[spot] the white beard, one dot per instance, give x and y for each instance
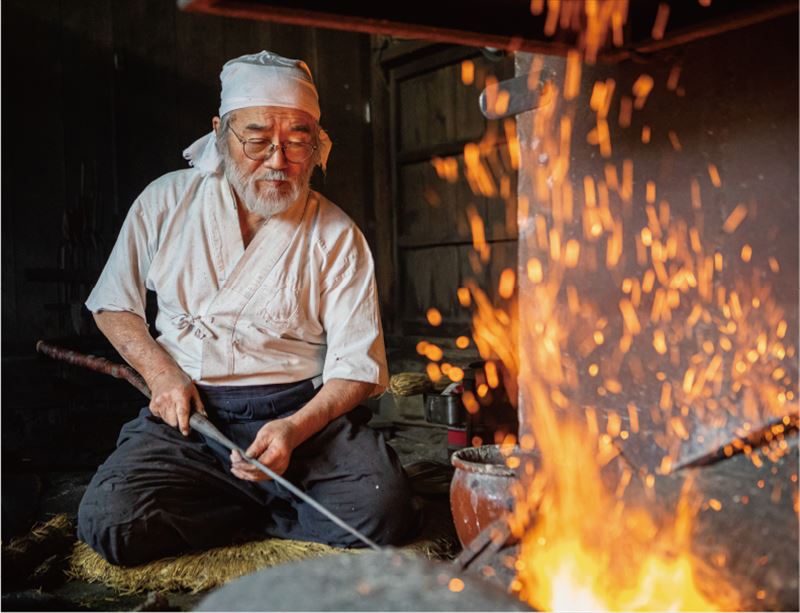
(259, 197)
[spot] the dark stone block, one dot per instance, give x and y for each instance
(381, 581)
(750, 534)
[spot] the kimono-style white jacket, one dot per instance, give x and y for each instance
(298, 303)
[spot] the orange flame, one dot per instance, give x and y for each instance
(587, 544)
(586, 551)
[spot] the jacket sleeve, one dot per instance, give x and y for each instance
(350, 314)
(121, 286)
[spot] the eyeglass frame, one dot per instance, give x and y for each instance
(272, 148)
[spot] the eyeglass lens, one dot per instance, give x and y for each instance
(262, 149)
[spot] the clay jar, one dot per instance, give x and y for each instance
(480, 491)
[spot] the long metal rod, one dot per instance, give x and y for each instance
(204, 426)
(737, 445)
(196, 421)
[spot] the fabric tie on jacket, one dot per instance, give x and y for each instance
(194, 324)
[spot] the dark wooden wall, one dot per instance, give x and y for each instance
(101, 98)
(428, 113)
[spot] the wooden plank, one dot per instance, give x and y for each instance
(90, 172)
(341, 75)
(508, 26)
(425, 154)
(432, 210)
(367, 25)
(504, 257)
(292, 41)
(438, 108)
(501, 212)
(696, 24)
(393, 51)
(200, 52)
(34, 190)
(420, 214)
(431, 277)
(146, 94)
(394, 113)
(380, 216)
(241, 37)
(432, 221)
(416, 293)
(437, 59)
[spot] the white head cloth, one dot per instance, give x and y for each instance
(260, 79)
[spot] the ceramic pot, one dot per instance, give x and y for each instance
(480, 491)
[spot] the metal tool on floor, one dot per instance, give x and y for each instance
(786, 426)
(484, 546)
(198, 422)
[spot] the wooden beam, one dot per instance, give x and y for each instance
(741, 19)
(243, 9)
(248, 9)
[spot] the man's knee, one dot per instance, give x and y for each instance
(110, 523)
(383, 511)
(99, 528)
(389, 506)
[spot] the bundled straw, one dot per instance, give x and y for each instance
(207, 569)
(196, 571)
(411, 383)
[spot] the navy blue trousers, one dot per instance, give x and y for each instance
(161, 494)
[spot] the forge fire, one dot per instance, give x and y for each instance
(648, 339)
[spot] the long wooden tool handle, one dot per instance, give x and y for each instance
(92, 362)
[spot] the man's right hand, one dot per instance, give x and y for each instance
(174, 395)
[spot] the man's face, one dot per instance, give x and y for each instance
(270, 186)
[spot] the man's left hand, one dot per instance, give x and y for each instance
(272, 447)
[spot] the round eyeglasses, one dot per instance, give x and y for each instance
(261, 149)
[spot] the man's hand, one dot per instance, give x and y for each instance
(272, 447)
(173, 397)
(173, 392)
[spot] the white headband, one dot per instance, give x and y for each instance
(260, 79)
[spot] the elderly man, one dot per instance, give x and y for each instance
(268, 323)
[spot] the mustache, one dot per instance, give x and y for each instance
(272, 175)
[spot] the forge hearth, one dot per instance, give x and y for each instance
(383, 581)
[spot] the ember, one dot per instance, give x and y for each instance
(631, 287)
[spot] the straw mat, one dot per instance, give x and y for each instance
(204, 570)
